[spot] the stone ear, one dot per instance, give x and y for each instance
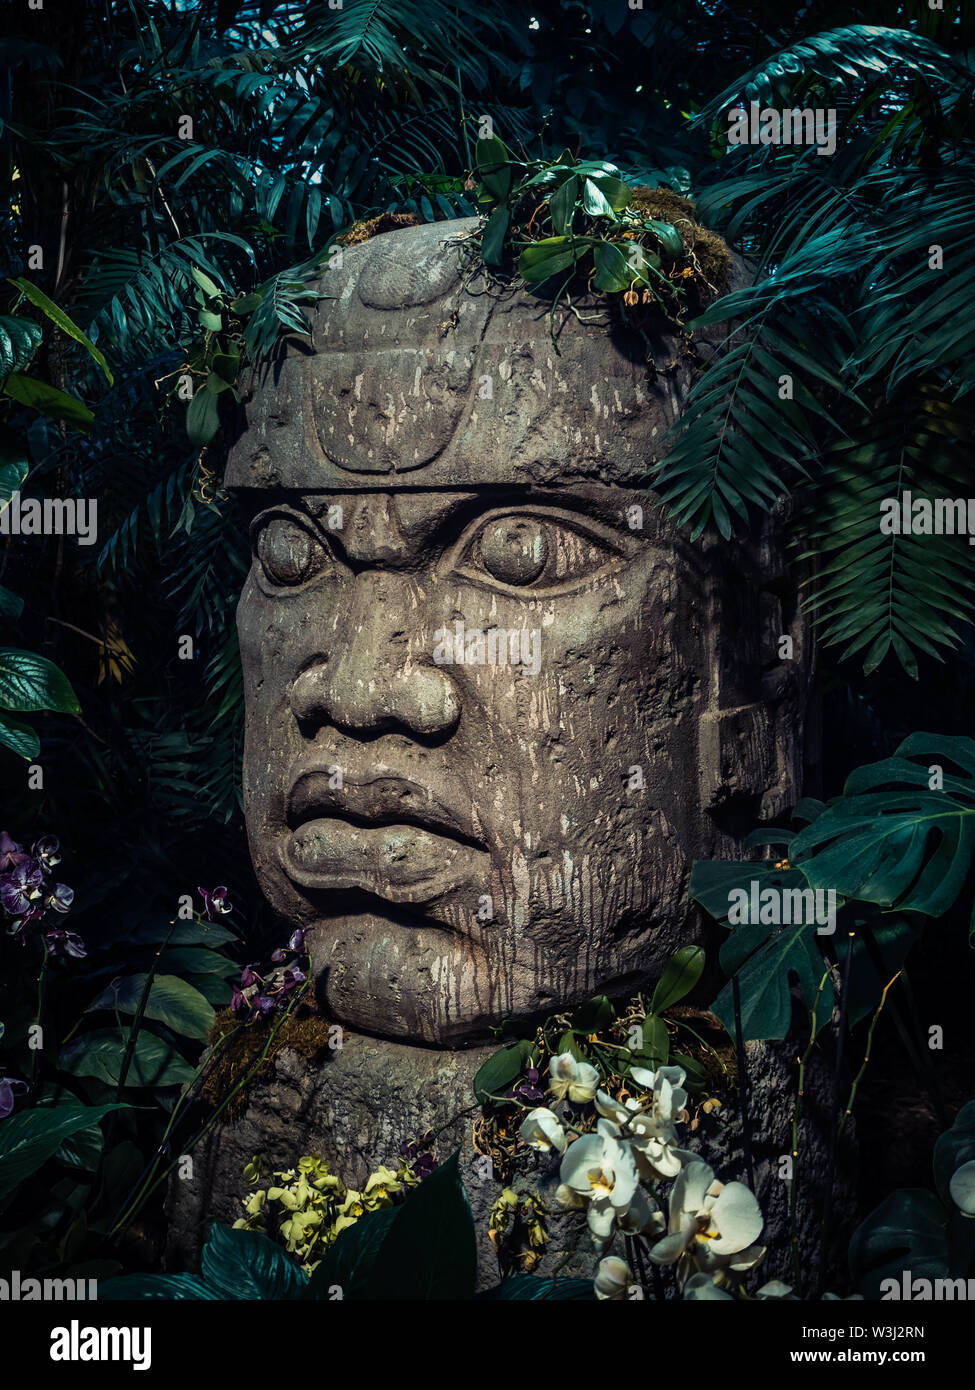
(390, 281)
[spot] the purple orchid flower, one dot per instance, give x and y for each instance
(47, 850)
(527, 1090)
(64, 943)
(418, 1155)
(10, 1088)
(11, 854)
(215, 903)
(20, 889)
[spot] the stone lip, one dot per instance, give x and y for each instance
(358, 1107)
(422, 375)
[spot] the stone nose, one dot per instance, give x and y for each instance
(378, 671)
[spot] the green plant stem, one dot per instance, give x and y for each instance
(796, 1112)
(866, 1057)
(129, 1052)
(743, 1097)
(245, 1080)
(636, 1246)
(187, 1097)
(834, 1137)
(41, 986)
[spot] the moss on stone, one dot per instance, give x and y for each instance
(375, 226)
(306, 1033)
(706, 257)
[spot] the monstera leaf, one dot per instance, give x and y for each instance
(894, 839)
(763, 956)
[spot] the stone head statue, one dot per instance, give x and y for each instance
(495, 702)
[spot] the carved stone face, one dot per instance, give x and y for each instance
(484, 705)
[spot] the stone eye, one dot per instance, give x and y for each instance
(537, 552)
(514, 550)
(288, 553)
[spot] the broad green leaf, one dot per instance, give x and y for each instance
(11, 476)
(211, 321)
(100, 1052)
(82, 1150)
(890, 839)
(195, 960)
(613, 271)
(594, 201)
(562, 204)
(656, 1040)
(492, 242)
(226, 365)
(246, 303)
(953, 1148)
(31, 682)
(48, 400)
(668, 236)
(19, 339)
(11, 605)
(763, 956)
(20, 737)
(595, 1013)
(246, 1264)
(209, 287)
(202, 417)
(30, 1138)
(549, 257)
(66, 324)
(542, 250)
(171, 1001)
(681, 974)
(893, 938)
(348, 1263)
(530, 1287)
(694, 1071)
(568, 1043)
(501, 1070)
(906, 1232)
(430, 1250)
(614, 190)
(493, 169)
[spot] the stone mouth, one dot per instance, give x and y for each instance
(398, 860)
(373, 802)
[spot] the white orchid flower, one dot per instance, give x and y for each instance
(613, 1278)
(668, 1097)
(543, 1131)
(702, 1287)
(650, 1127)
(962, 1188)
(776, 1289)
(577, 1080)
(709, 1222)
(601, 1170)
(640, 1218)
